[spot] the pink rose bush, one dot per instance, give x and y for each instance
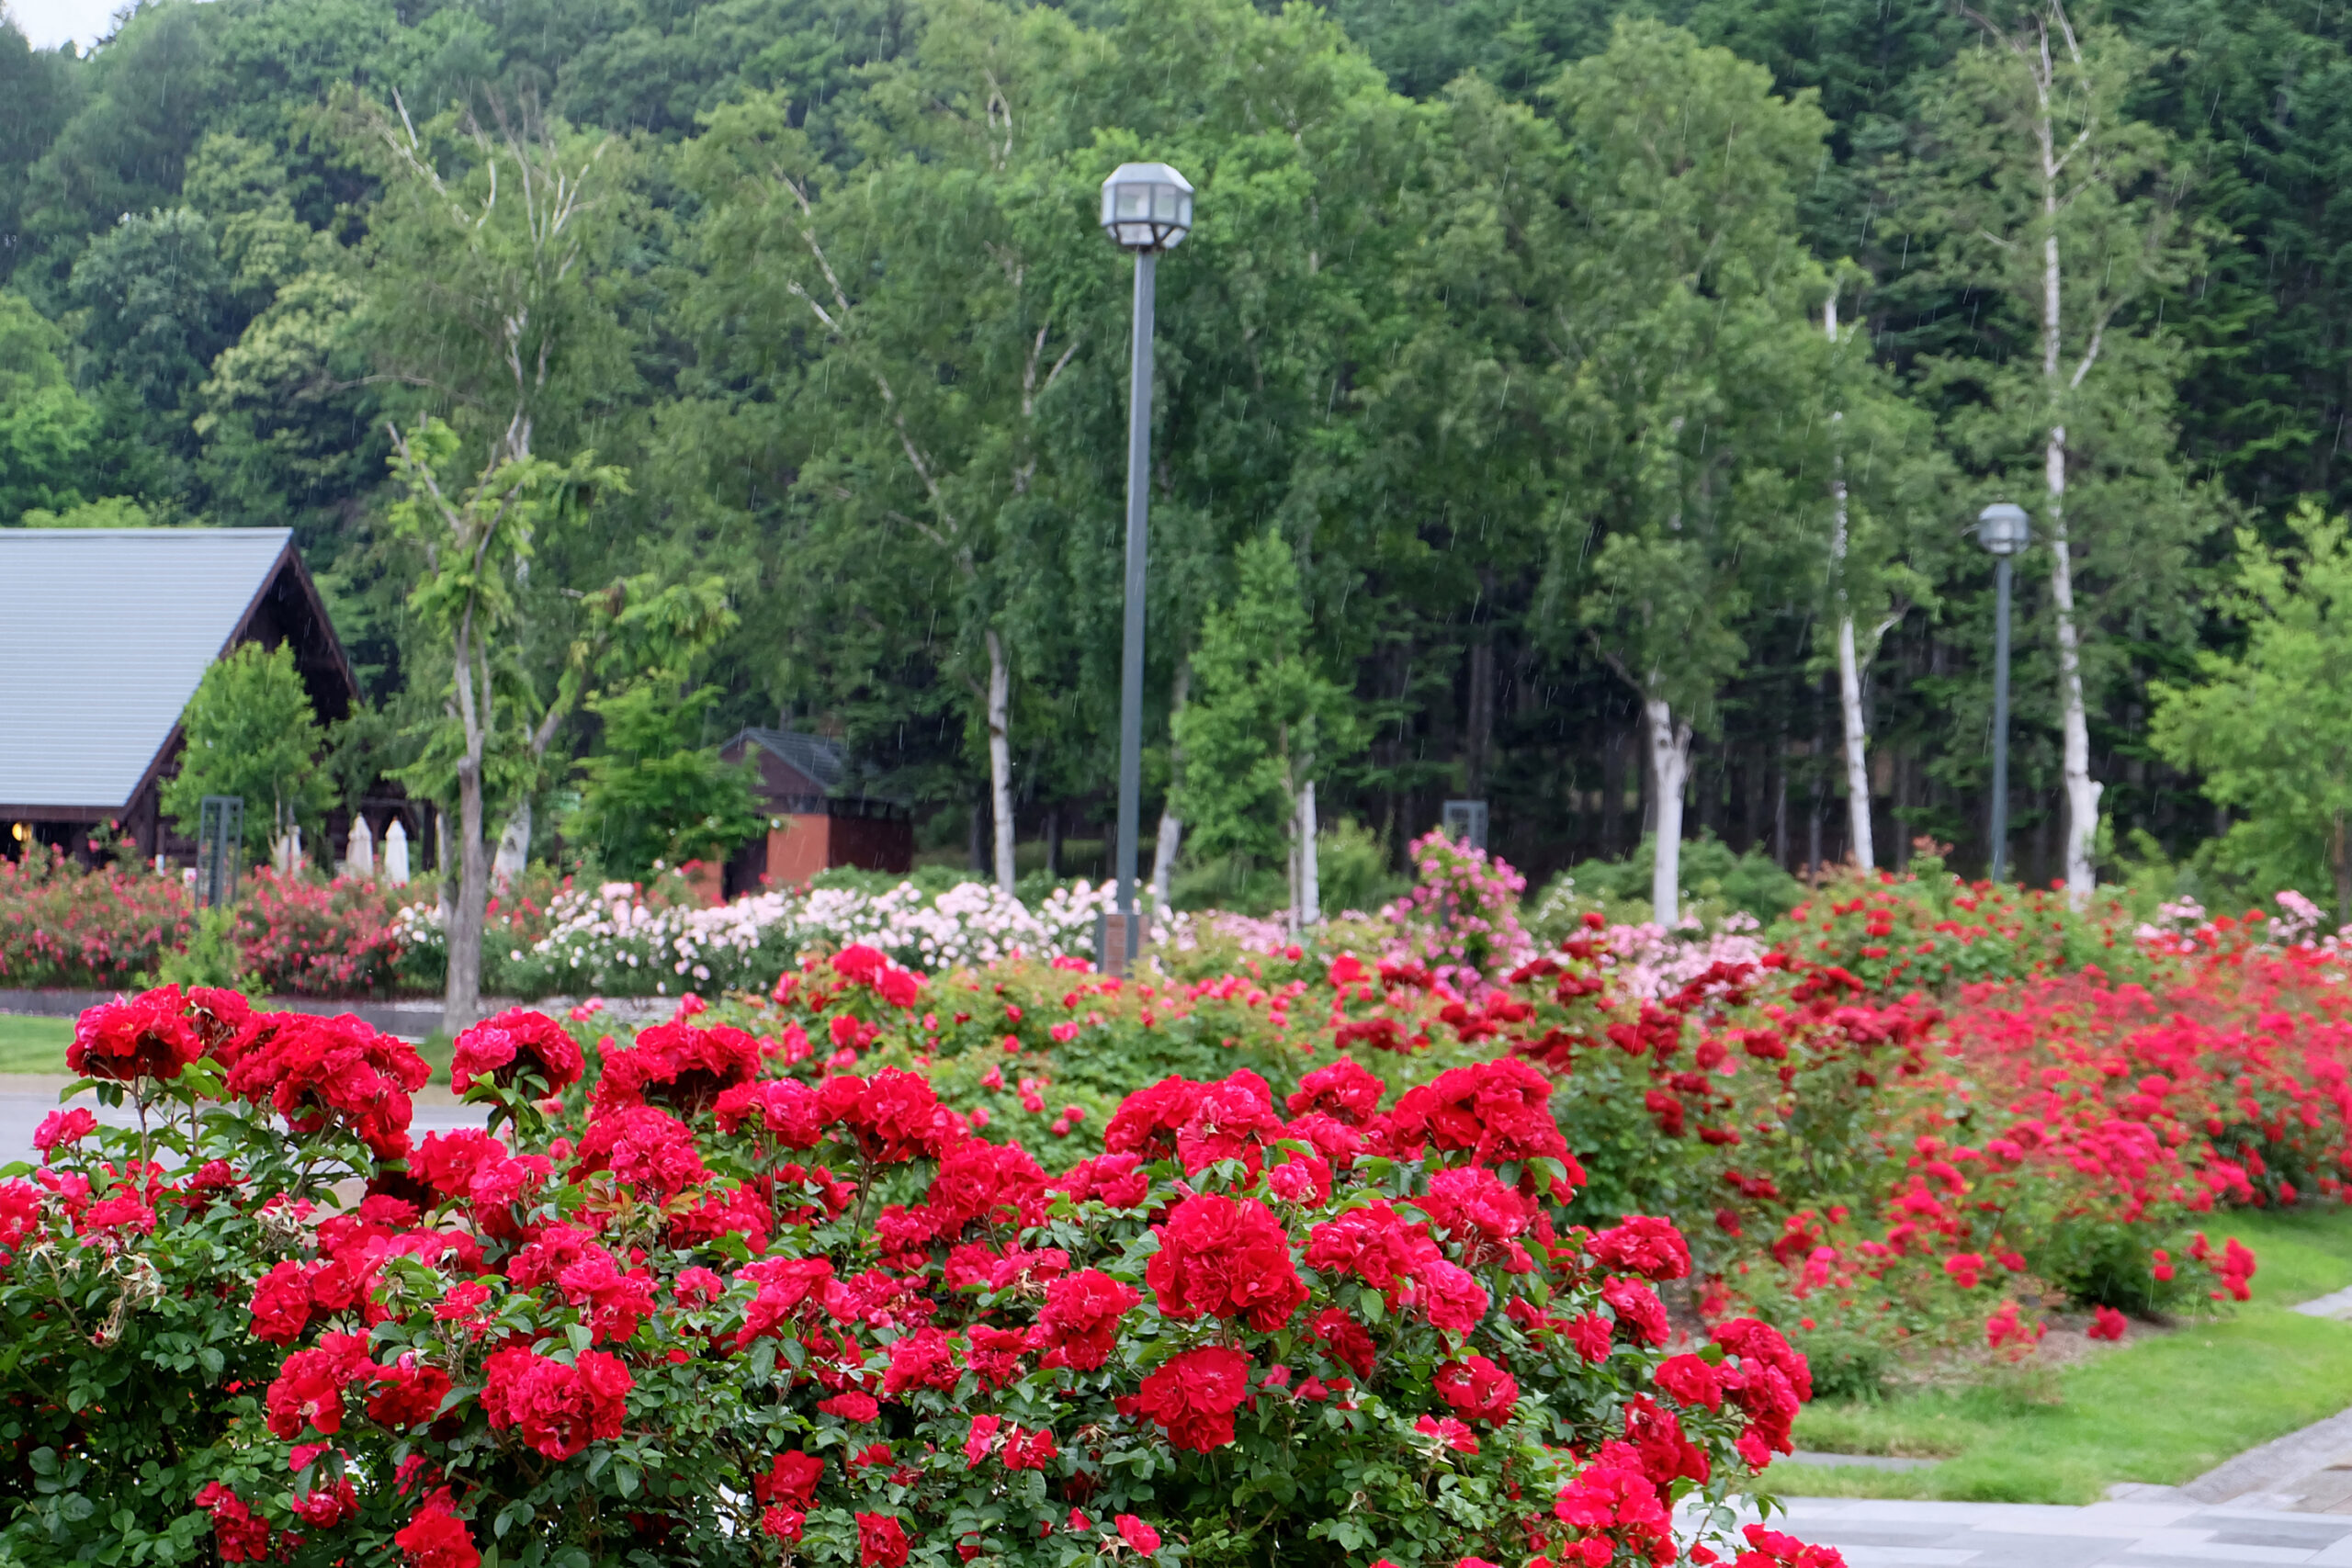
(745, 1294)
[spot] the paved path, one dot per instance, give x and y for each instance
(1879, 1534)
(25, 1099)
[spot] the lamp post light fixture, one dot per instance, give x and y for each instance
(1147, 208)
(2003, 529)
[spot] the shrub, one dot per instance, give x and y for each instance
(1461, 917)
(60, 925)
(312, 938)
(691, 1310)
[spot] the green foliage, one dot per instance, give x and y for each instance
(109, 512)
(652, 794)
(213, 956)
(1264, 721)
(1520, 356)
(1354, 867)
(251, 733)
(1716, 882)
(2272, 728)
(46, 428)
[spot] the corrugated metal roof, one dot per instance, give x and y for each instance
(813, 754)
(104, 635)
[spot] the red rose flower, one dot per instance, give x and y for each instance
(881, 1542)
(1227, 1257)
(281, 1303)
(677, 1066)
(1347, 1340)
(1146, 1122)
(922, 1359)
(307, 1394)
(897, 1117)
(1118, 1180)
(1477, 1389)
(1079, 1325)
(559, 1408)
(437, 1537)
(1375, 1244)
(1690, 1381)
(146, 1036)
(62, 1127)
(644, 1148)
(1346, 1091)
(516, 1041)
(792, 1480)
(1230, 1121)
(1498, 1112)
(408, 1395)
(1641, 1244)
(1195, 1395)
(241, 1537)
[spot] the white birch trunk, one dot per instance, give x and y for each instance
(1171, 827)
(1163, 855)
(1310, 881)
(1862, 852)
(1669, 741)
(1000, 755)
(514, 856)
(2082, 790)
(1850, 679)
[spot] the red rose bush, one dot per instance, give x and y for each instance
(728, 1297)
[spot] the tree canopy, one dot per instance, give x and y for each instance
(1502, 326)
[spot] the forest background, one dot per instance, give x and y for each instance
(1551, 392)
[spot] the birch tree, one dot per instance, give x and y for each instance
(2039, 184)
(477, 533)
(1889, 485)
(485, 261)
(1687, 379)
(940, 291)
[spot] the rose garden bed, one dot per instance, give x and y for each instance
(1467, 1241)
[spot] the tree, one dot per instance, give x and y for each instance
(477, 536)
(45, 426)
(1887, 480)
(251, 733)
(654, 788)
(487, 295)
(1262, 725)
(2270, 728)
(937, 340)
(2036, 183)
(1686, 380)
(155, 310)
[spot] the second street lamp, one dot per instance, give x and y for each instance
(1147, 208)
(2004, 529)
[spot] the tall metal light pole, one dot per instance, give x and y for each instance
(2004, 529)
(1147, 208)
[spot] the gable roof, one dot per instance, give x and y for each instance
(104, 635)
(817, 759)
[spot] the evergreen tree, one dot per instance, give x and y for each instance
(1263, 723)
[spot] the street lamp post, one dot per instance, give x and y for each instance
(2004, 529)
(1147, 208)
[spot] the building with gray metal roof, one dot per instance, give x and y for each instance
(104, 635)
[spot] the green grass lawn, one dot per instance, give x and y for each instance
(34, 1044)
(2165, 1408)
(37, 1046)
